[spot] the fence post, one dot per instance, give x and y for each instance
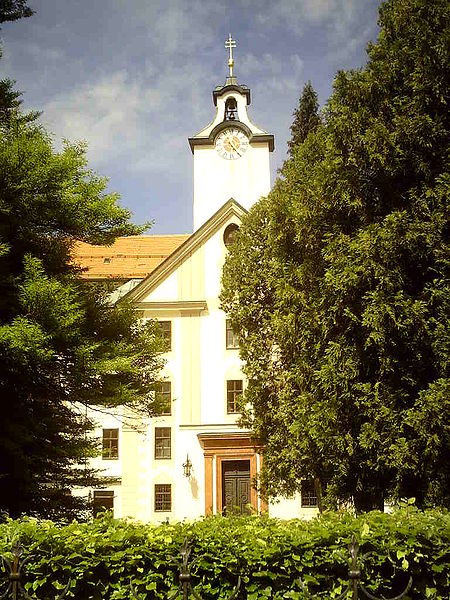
(15, 587)
(354, 576)
(185, 575)
(354, 573)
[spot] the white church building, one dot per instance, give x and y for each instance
(194, 459)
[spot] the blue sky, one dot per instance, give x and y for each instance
(134, 78)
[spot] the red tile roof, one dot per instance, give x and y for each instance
(129, 257)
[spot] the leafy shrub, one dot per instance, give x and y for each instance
(102, 557)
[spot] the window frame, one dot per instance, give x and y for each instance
(232, 393)
(110, 444)
(163, 451)
(161, 393)
(231, 338)
(229, 233)
(160, 495)
(165, 327)
(308, 494)
(98, 506)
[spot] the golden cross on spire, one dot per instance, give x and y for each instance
(230, 44)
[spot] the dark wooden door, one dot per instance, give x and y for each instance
(235, 486)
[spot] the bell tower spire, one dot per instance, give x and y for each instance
(231, 154)
(230, 44)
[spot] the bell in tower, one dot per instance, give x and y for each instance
(231, 110)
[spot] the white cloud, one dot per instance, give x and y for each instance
(104, 114)
(144, 120)
(340, 18)
(351, 41)
(175, 26)
(144, 111)
(297, 13)
(276, 76)
(134, 77)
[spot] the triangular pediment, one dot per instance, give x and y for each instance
(185, 251)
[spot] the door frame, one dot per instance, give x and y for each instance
(226, 447)
(220, 459)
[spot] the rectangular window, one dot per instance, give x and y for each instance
(103, 500)
(234, 390)
(163, 447)
(110, 444)
(166, 332)
(163, 398)
(309, 496)
(163, 497)
(232, 338)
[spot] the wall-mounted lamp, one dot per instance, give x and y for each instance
(187, 467)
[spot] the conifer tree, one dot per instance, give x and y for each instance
(63, 347)
(353, 295)
(11, 10)
(306, 117)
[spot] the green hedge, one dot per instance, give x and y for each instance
(102, 557)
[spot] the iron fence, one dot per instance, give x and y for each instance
(13, 587)
(13, 583)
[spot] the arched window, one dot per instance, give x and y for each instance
(229, 234)
(231, 110)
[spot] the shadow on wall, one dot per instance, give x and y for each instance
(194, 487)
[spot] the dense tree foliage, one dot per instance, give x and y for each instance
(10, 104)
(11, 10)
(62, 346)
(306, 117)
(338, 282)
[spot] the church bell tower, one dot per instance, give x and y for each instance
(231, 154)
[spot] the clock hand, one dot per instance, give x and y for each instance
(232, 144)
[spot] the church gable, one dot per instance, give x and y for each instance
(192, 272)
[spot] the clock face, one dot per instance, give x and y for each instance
(231, 143)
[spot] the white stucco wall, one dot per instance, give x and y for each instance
(216, 179)
(167, 290)
(105, 419)
(290, 508)
(218, 362)
(189, 492)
